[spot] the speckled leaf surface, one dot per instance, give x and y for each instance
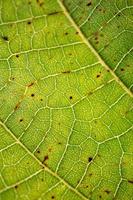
(66, 103)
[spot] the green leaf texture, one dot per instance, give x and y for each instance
(66, 108)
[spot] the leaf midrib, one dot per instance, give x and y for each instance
(85, 40)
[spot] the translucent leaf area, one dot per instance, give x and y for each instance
(66, 107)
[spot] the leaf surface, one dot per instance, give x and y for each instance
(66, 100)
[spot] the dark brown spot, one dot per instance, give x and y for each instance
(70, 97)
(42, 179)
(66, 72)
(90, 93)
(54, 13)
(90, 159)
(87, 186)
(52, 197)
(32, 95)
(45, 158)
(77, 32)
(16, 186)
(41, 99)
(29, 2)
(130, 181)
(98, 75)
(108, 70)
(38, 151)
(122, 69)
(29, 22)
(17, 56)
(66, 33)
(5, 38)
(21, 120)
(59, 142)
(89, 3)
(90, 174)
(31, 84)
(107, 191)
(100, 196)
(12, 78)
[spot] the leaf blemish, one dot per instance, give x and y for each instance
(5, 38)
(52, 197)
(130, 181)
(90, 159)
(31, 84)
(70, 97)
(107, 191)
(32, 95)
(45, 158)
(66, 72)
(17, 56)
(21, 120)
(16, 186)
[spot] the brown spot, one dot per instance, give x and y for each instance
(17, 56)
(90, 93)
(17, 106)
(54, 13)
(90, 174)
(59, 142)
(29, 2)
(41, 99)
(40, 3)
(90, 159)
(130, 181)
(98, 75)
(87, 186)
(66, 33)
(70, 54)
(32, 95)
(50, 149)
(107, 191)
(70, 97)
(31, 84)
(45, 158)
(29, 22)
(52, 197)
(89, 3)
(5, 38)
(66, 72)
(16, 186)
(77, 32)
(122, 69)
(12, 78)
(100, 196)
(108, 70)
(21, 120)
(38, 151)
(42, 179)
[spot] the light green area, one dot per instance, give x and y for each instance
(65, 119)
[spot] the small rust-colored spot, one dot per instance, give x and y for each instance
(66, 72)
(16, 186)
(5, 38)
(31, 84)
(90, 159)
(32, 95)
(17, 106)
(130, 181)
(45, 158)
(107, 191)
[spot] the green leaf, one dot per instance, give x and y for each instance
(66, 103)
